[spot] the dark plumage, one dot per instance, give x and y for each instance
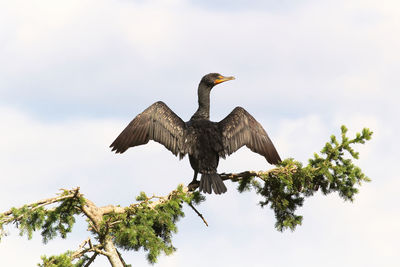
(205, 141)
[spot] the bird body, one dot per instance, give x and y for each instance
(207, 148)
(203, 140)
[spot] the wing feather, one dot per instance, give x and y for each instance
(239, 129)
(159, 123)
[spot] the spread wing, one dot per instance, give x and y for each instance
(239, 128)
(159, 123)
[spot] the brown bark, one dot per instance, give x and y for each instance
(95, 215)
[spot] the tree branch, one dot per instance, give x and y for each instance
(198, 213)
(38, 204)
(235, 177)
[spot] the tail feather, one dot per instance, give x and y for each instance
(212, 181)
(209, 182)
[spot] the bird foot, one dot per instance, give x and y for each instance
(193, 185)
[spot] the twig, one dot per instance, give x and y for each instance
(91, 259)
(198, 213)
(82, 250)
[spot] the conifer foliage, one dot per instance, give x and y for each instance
(150, 222)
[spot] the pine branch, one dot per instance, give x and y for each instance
(285, 187)
(8, 215)
(41, 215)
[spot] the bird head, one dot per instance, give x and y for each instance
(213, 79)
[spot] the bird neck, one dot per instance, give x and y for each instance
(203, 112)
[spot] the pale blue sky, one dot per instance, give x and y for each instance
(74, 73)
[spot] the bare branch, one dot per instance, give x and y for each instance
(235, 177)
(198, 213)
(91, 259)
(82, 250)
(248, 174)
(112, 209)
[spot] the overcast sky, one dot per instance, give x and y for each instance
(74, 73)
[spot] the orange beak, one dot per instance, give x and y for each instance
(222, 79)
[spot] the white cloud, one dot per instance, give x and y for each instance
(302, 72)
(93, 56)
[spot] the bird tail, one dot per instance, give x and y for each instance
(214, 181)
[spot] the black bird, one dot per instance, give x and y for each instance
(205, 141)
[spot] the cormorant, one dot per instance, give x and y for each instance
(205, 141)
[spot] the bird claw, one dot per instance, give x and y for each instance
(193, 185)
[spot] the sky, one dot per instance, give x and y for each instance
(74, 73)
